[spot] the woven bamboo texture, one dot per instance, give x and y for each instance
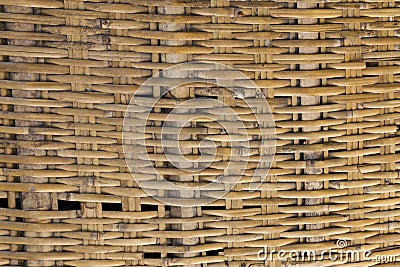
(329, 69)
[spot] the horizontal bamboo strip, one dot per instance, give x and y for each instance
(75, 88)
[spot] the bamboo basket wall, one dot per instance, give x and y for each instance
(330, 71)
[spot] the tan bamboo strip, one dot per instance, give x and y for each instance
(77, 31)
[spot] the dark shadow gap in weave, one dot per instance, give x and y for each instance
(68, 205)
(111, 206)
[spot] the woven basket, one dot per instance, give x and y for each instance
(329, 70)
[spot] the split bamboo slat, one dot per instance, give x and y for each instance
(329, 69)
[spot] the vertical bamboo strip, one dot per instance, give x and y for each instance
(180, 93)
(31, 200)
(310, 157)
(11, 196)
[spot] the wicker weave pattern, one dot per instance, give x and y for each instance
(330, 70)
